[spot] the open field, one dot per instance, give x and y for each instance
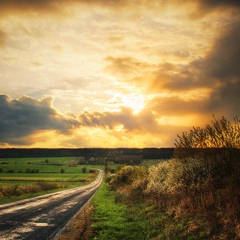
(28, 177)
(48, 165)
(46, 177)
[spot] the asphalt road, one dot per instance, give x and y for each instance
(41, 218)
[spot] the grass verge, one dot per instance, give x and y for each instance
(143, 221)
(108, 220)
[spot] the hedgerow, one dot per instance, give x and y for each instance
(199, 185)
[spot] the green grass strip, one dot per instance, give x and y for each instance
(141, 221)
(118, 221)
(108, 218)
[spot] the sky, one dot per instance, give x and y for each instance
(123, 73)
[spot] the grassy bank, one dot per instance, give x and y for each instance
(108, 221)
(114, 220)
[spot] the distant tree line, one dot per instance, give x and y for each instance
(91, 155)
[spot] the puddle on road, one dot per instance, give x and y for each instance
(43, 224)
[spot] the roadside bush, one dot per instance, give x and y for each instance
(124, 176)
(200, 185)
(44, 186)
(139, 185)
(130, 182)
(32, 170)
(219, 144)
(221, 134)
(72, 163)
(210, 161)
(16, 190)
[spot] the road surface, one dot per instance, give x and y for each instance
(42, 217)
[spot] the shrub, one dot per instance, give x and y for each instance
(221, 140)
(217, 144)
(221, 134)
(72, 163)
(129, 181)
(124, 176)
(210, 175)
(200, 185)
(44, 186)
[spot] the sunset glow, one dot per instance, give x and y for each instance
(115, 73)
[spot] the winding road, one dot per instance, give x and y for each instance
(44, 216)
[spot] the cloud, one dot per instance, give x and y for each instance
(208, 85)
(26, 116)
(222, 61)
(47, 6)
(218, 71)
(31, 122)
(124, 119)
(222, 64)
(213, 4)
(3, 37)
(51, 6)
(125, 129)
(217, 74)
(201, 8)
(175, 106)
(126, 66)
(174, 77)
(37, 6)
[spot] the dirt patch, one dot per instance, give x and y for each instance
(79, 227)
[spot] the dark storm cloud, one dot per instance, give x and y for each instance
(200, 8)
(222, 64)
(218, 71)
(219, 3)
(173, 77)
(25, 116)
(223, 60)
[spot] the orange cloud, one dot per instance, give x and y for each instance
(3, 37)
(126, 66)
(143, 121)
(41, 6)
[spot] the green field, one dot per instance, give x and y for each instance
(27, 177)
